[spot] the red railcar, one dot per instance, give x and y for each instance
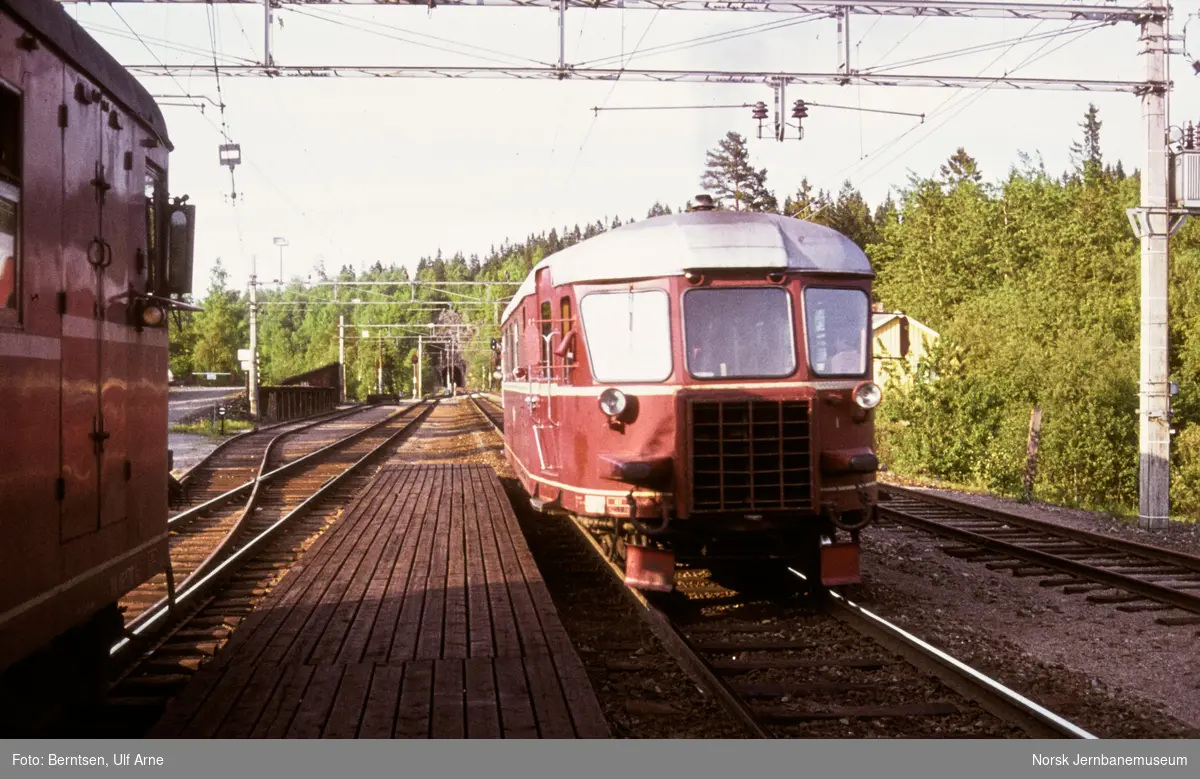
(91, 251)
(700, 384)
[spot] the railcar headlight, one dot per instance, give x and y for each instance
(613, 402)
(153, 315)
(867, 395)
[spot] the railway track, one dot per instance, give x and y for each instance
(236, 460)
(1106, 570)
(823, 666)
(197, 532)
(168, 644)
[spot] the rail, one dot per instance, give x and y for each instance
(218, 560)
(1121, 571)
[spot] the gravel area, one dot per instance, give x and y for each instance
(1179, 536)
(454, 432)
(1118, 674)
(189, 449)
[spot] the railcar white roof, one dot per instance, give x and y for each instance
(699, 240)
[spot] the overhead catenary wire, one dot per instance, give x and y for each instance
(970, 99)
(163, 43)
(379, 29)
(982, 47)
(963, 102)
(607, 97)
(705, 40)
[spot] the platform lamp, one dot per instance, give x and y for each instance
(280, 242)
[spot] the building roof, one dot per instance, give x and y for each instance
(50, 22)
(669, 245)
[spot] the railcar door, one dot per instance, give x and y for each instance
(121, 223)
(547, 407)
(83, 429)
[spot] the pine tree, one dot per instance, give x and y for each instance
(1085, 154)
(731, 177)
(851, 216)
(961, 167)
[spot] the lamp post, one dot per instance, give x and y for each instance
(281, 242)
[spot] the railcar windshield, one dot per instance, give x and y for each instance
(739, 333)
(836, 321)
(628, 335)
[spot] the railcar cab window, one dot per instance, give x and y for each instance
(836, 321)
(155, 197)
(628, 335)
(739, 332)
(10, 204)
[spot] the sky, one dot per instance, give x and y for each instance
(352, 170)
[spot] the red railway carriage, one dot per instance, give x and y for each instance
(700, 384)
(90, 252)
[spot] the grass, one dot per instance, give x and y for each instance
(205, 427)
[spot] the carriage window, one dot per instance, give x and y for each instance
(547, 328)
(564, 309)
(739, 333)
(10, 204)
(154, 203)
(836, 321)
(628, 335)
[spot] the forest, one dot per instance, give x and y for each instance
(1031, 278)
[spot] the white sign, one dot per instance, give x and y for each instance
(245, 365)
(243, 354)
(211, 376)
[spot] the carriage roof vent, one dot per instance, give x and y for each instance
(703, 203)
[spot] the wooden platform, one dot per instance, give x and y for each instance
(420, 614)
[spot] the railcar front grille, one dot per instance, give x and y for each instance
(750, 455)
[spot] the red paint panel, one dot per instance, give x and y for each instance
(117, 232)
(29, 371)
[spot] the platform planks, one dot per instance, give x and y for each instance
(419, 614)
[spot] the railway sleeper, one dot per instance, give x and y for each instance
(766, 645)
(927, 709)
(1130, 608)
(1060, 581)
(785, 690)
(1120, 597)
(1181, 620)
(189, 648)
(756, 664)
(1078, 589)
(1031, 570)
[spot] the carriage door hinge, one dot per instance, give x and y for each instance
(62, 303)
(62, 115)
(99, 435)
(60, 488)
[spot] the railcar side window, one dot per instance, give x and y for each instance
(628, 335)
(739, 332)
(10, 204)
(564, 307)
(836, 321)
(547, 328)
(154, 205)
